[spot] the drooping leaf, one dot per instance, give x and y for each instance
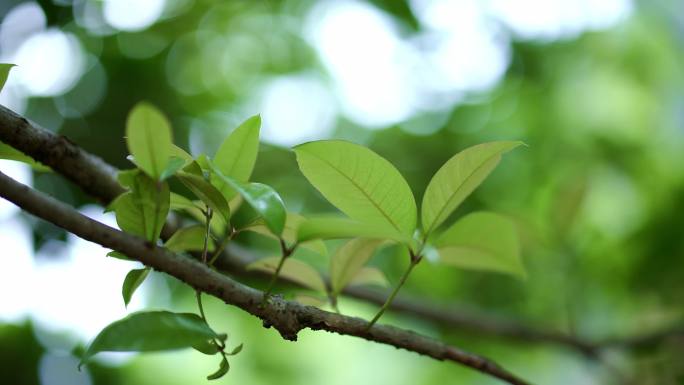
(222, 370)
(237, 154)
(133, 280)
(142, 211)
(348, 260)
(359, 182)
(334, 227)
(150, 331)
(4, 73)
(482, 241)
(10, 153)
(457, 178)
(369, 276)
(293, 270)
(148, 137)
(289, 234)
(174, 164)
(189, 239)
(206, 192)
(262, 198)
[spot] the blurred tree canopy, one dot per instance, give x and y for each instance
(597, 196)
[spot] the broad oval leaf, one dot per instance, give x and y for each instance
(369, 276)
(346, 263)
(142, 210)
(293, 270)
(457, 178)
(4, 73)
(263, 199)
(334, 227)
(133, 280)
(150, 331)
(237, 155)
(360, 183)
(189, 239)
(482, 241)
(148, 136)
(289, 235)
(206, 192)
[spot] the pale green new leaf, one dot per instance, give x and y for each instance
(348, 260)
(133, 280)
(179, 202)
(289, 234)
(143, 210)
(482, 241)
(334, 227)
(262, 198)
(150, 331)
(206, 192)
(369, 276)
(10, 153)
(360, 183)
(237, 155)
(174, 164)
(293, 270)
(148, 136)
(189, 239)
(457, 178)
(4, 73)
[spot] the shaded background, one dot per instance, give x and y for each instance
(593, 86)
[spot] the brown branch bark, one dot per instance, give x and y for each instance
(285, 316)
(97, 178)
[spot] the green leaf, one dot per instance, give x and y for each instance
(359, 182)
(143, 210)
(482, 241)
(150, 331)
(293, 270)
(369, 276)
(333, 227)
(348, 260)
(207, 347)
(235, 350)
(222, 370)
(179, 202)
(4, 73)
(289, 234)
(126, 178)
(117, 255)
(148, 136)
(180, 153)
(189, 239)
(175, 163)
(206, 192)
(262, 198)
(237, 155)
(457, 178)
(10, 153)
(133, 280)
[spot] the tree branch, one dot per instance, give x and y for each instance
(97, 178)
(285, 316)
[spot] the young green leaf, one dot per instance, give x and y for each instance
(235, 350)
(148, 136)
(359, 182)
(263, 199)
(143, 210)
(334, 227)
(117, 255)
(222, 370)
(179, 202)
(348, 260)
(133, 280)
(457, 178)
(180, 153)
(482, 241)
(206, 192)
(10, 153)
(206, 347)
(4, 73)
(189, 239)
(289, 234)
(175, 163)
(237, 154)
(293, 270)
(150, 331)
(369, 276)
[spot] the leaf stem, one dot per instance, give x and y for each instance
(414, 261)
(286, 252)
